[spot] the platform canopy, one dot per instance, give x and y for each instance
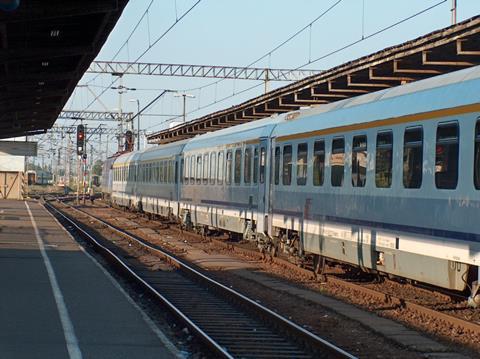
(453, 48)
(45, 48)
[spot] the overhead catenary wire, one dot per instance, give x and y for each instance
(147, 50)
(364, 38)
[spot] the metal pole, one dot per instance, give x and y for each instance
(120, 91)
(184, 107)
(454, 12)
(138, 124)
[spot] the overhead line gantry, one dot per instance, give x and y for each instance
(206, 71)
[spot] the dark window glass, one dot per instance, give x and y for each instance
(255, 165)
(287, 165)
(318, 163)
(238, 166)
(220, 168)
(263, 161)
(383, 160)
(337, 161)
(302, 154)
(198, 174)
(476, 164)
(228, 169)
(446, 156)
(247, 166)
(359, 161)
(413, 157)
(277, 165)
(176, 171)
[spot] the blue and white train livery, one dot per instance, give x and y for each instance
(388, 181)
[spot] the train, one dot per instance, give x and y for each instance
(388, 182)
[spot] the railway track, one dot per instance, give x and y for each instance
(393, 301)
(230, 324)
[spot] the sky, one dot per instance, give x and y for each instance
(237, 33)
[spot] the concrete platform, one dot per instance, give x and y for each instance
(57, 302)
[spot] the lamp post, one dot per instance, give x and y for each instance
(138, 121)
(184, 95)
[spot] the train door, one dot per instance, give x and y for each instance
(263, 186)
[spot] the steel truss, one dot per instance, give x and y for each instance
(208, 71)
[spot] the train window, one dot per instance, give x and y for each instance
(302, 154)
(192, 169)
(228, 169)
(359, 161)
(476, 165)
(186, 169)
(205, 168)
(199, 169)
(171, 166)
(213, 163)
(175, 171)
(287, 165)
(337, 162)
(238, 166)
(412, 157)
(255, 165)
(318, 163)
(263, 162)
(383, 160)
(446, 156)
(247, 166)
(160, 172)
(220, 168)
(277, 165)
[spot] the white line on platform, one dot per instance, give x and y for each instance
(155, 329)
(68, 331)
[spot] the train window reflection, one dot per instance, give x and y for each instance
(198, 174)
(192, 169)
(205, 168)
(302, 153)
(337, 161)
(247, 166)
(446, 156)
(476, 168)
(220, 168)
(413, 157)
(186, 169)
(255, 165)
(359, 161)
(287, 165)
(318, 163)
(238, 166)
(213, 163)
(263, 161)
(228, 173)
(277, 165)
(383, 160)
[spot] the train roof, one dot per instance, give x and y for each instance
(236, 134)
(168, 150)
(451, 90)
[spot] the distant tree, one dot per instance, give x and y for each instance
(97, 167)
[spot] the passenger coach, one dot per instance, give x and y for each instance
(387, 181)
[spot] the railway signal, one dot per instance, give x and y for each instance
(80, 139)
(128, 141)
